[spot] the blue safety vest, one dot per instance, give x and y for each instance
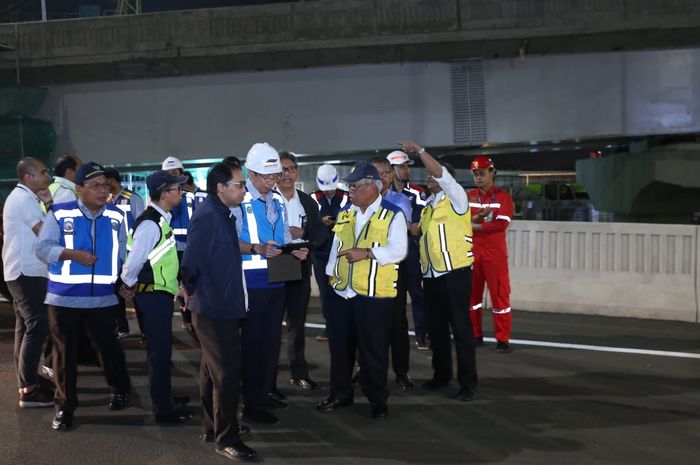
(71, 279)
(258, 230)
(181, 218)
(123, 202)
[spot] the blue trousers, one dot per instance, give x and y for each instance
(157, 311)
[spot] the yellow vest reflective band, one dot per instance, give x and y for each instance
(446, 243)
(367, 277)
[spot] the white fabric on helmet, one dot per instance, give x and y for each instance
(397, 157)
(172, 163)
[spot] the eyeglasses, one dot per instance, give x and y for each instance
(268, 177)
(238, 184)
(358, 185)
(176, 188)
(289, 169)
(97, 186)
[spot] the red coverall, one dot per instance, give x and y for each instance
(491, 260)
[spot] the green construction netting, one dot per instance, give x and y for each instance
(21, 100)
(28, 136)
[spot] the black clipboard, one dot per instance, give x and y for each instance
(287, 248)
(284, 267)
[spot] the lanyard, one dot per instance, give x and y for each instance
(478, 196)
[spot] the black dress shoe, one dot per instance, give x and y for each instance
(63, 421)
(260, 416)
(174, 417)
(434, 384)
(118, 401)
(305, 384)
(331, 404)
(277, 394)
(502, 347)
(465, 395)
(275, 404)
(405, 382)
(380, 411)
(239, 452)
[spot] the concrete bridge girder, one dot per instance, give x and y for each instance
(307, 34)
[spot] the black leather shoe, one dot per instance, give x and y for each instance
(405, 382)
(275, 404)
(465, 395)
(331, 404)
(380, 411)
(435, 384)
(502, 347)
(174, 417)
(305, 384)
(277, 394)
(238, 452)
(260, 416)
(63, 421)
(118, 401)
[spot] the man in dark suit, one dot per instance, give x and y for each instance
(214, 289)
(305, 225)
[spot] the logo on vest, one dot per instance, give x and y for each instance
(249, 209)
(68, 227)
(115, 225)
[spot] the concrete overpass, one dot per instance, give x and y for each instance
(323, 33)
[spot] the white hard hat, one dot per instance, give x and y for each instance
(172, 163)
(397, 157)
(263, 158)
(327, 178)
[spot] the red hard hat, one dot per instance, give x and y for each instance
(481, 163)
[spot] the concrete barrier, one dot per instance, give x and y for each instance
(615, 269)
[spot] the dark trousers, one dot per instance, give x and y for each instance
(120, 312)
(66, 326)
(261, 334)
(361, 324)
(219, 377)
(31, 326)
(447, 306)
(400, 343)
(414, 284)
(157, 314)
(324, 289)
(296, 301)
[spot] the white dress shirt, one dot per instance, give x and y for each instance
(21, 213)
(146, 237)
(296, 215)
(393, 252)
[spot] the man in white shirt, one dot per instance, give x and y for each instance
(370, 240)
(26, 277)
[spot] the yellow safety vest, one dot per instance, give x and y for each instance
(446, 243)
(367, 277)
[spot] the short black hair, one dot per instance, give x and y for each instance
(190, 179)
(289, 156)
(111, 173)
(64, 163)
(219, 173)
(232, 161)
(450, 169)
(379, 161)
(27, 165)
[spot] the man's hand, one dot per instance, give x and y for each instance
(355, 255)
(297, 233)
(301, 254)
(328, 220)
(127, 292)
(81, 256)
(409, 146)
(482, 213)
(182, 294)
(269, 249)
(415, 230)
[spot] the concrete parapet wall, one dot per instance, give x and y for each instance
(615, 269)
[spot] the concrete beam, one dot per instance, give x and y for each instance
(324, 33)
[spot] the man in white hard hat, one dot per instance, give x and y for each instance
(180, 221)
(262, 227)
(400, 163)
(330, 201)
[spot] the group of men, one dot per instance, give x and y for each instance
(68, 269)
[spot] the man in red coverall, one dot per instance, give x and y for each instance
(492, 210)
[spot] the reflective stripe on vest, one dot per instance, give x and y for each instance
(256, 262)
